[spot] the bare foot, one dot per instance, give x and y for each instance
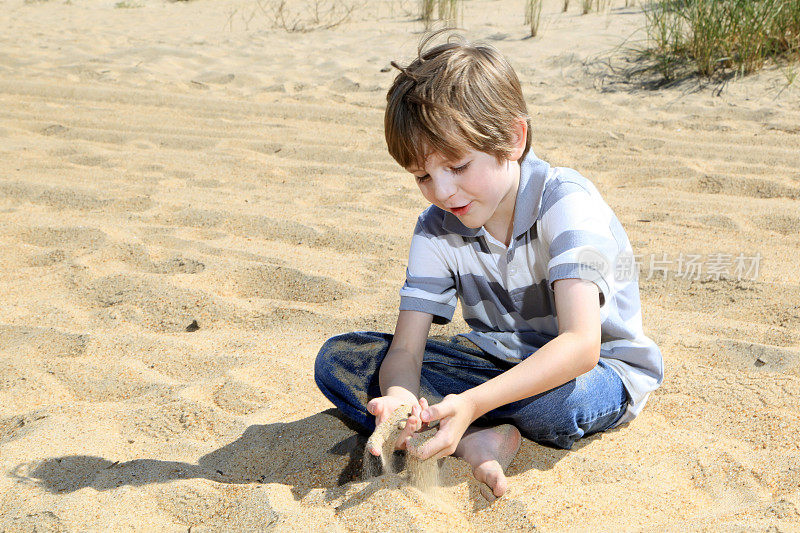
(490, 451)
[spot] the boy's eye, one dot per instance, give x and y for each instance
(462, 168)
(421, 179)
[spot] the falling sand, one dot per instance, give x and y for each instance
(423, 474)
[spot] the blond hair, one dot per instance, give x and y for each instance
(452, 98)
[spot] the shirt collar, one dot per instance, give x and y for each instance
(533, 173)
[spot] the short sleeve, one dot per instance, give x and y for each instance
(430, 284)
(576, 227)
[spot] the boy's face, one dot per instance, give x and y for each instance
(476, 188)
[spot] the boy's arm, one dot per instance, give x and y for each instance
(575, 351)
(399, 374)
(400, 370)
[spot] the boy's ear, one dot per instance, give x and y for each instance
(520, 136)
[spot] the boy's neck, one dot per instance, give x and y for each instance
(501, 226)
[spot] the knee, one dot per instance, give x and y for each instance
(329, 358)
(568, 413)
(552, 418)
(558, 423)
(558, 429)
(352, 353)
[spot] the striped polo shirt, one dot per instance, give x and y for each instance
(562, 229)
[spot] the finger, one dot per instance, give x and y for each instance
(375, 444)
(444, 452)
(374, 406)
(412, 424)
(436, 447)
(423, 404)
(437, 412)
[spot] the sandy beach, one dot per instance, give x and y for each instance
(192, 200)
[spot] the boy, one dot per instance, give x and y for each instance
(556, 349)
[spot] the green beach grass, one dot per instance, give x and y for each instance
(713, 37)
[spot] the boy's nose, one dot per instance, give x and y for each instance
(444, 187)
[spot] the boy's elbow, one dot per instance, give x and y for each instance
(585, 350)
(590, 350)
(592, 356)
(584, 347)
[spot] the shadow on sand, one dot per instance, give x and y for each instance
(320, 451)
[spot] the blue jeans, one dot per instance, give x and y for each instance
(346, 371)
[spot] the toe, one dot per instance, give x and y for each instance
(500, 486)
(491, 475)
(497, 481)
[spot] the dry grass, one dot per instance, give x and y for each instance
(587, 6)
(308, 16)
(533, 15)
(447, 11)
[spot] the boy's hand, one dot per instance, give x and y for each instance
(455, 413)
(382, 408)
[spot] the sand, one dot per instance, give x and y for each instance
(422, 474)
(166, 163)
(384, 439)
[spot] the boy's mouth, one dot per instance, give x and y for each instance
(459, 211)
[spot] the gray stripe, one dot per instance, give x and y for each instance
(452, 224)
(488, 313)
(479, 243)
(530, 302)
(497, 318)
(511, 346)
(478, 319)
(607, 336)
(523, 240)
(626, 300)
(535, 338)
(428, 284)
(559, 189)
(578, 270)
(489, 345)
(477, 324)
(619, 233)
(442, 313)
(532, 234)
(476, 290)
(423, 229)
(567, 240)
(429, 223)
(534, 301)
